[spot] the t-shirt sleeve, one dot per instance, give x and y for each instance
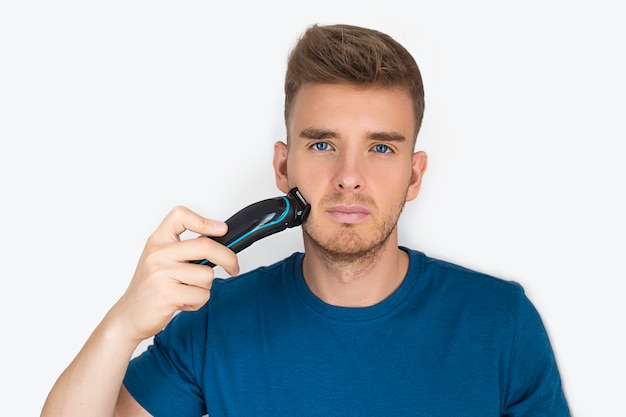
(164, 378)
(534, 384)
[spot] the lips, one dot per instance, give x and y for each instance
(348, 214)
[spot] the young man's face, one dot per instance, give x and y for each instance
(351, 155)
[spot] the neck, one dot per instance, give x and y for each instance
(355, 282)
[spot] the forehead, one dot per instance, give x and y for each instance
(348, 106)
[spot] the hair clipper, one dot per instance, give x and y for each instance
(262, 219)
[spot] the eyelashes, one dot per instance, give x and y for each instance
(323, 146)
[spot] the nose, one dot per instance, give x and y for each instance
(349, 173)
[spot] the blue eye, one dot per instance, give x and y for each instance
(321, 146)
(381, 148)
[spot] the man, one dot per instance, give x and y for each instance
(354, 326)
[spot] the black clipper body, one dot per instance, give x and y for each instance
(262, 219)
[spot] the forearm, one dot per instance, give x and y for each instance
(164, 282)
(90, 385)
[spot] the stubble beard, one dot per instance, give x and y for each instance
(347, 248)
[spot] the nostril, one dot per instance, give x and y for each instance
(342, 186)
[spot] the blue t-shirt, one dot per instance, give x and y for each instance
(448, 342)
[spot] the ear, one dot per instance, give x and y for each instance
(420, 161)
(280, 166)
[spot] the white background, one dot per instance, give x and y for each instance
(112, 113)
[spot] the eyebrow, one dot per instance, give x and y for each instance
(318, 134)
(387, 137)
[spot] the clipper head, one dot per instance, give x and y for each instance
(300, 205)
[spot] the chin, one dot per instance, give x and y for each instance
(346, 244)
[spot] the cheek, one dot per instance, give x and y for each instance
(389, 175)
(302, 172)
(391, 183)
(293, 172)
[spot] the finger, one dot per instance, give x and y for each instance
(197, 249)
(215, 252)
(195, 275)
(190, 297)
(181, 219)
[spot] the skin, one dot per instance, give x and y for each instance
(163, 283)
(351, 154)
(359, 144)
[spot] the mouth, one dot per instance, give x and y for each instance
(348, 213)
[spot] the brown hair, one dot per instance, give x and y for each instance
(356, 55)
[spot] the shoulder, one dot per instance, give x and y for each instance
(260, 276)
(260, 281)
(458, 286)
(447, 272)
(238, 294)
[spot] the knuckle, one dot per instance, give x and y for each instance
(208, 276)
(179, 211)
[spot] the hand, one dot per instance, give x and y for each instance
(164, 281)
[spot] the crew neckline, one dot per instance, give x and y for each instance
(357, 314)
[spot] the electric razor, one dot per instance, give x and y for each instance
(262, 219)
